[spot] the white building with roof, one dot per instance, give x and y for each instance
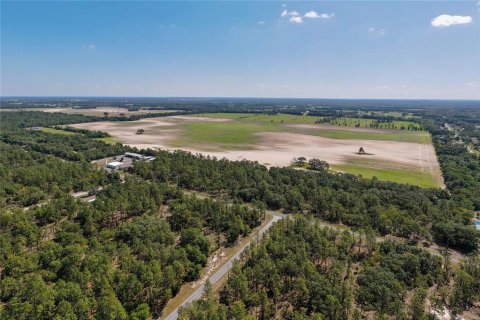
(114, 165)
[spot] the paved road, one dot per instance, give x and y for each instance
(220, 273)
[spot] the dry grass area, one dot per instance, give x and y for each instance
(389, 158)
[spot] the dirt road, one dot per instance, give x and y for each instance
(223, 271)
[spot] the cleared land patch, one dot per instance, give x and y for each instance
(389, 171)
(401, 156)
(99, 112)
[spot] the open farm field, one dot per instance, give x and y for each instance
(305, 119)
(98, 112)
(393, 155)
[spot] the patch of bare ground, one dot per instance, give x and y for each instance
(473, 313)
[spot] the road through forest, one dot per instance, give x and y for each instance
(220, 273)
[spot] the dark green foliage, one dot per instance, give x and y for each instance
(116, 258)
(380, 291)
(29, 177)
(88, 133)
(467, 285)
(299, 271)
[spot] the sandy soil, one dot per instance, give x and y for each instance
(279, 148)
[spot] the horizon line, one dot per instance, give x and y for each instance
(234, 97)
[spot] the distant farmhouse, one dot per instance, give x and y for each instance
(138, 156)
(125, 162)
(115, 165)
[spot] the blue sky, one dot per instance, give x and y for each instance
(340, 49)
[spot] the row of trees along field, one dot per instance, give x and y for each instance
(122, 257)
(388, 208)
(304, 271)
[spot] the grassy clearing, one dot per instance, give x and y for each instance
(268, 123)
(385, 171)
(305, 119)
(220, 135)
(56, 131)
(109, 140)
(401, 136)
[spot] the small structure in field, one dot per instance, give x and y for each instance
(114, 165)
(361, 151)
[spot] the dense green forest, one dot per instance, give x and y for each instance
(126, 254)
(304, 271)
(27, 178)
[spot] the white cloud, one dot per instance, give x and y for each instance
(261, 22)
(377, 32)
(472, 85)
(446, 20)
(296, 19)
(314, 15)
(89, 47)
(383, 88)
(311, 15)
(327, 15)
(289, 13)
